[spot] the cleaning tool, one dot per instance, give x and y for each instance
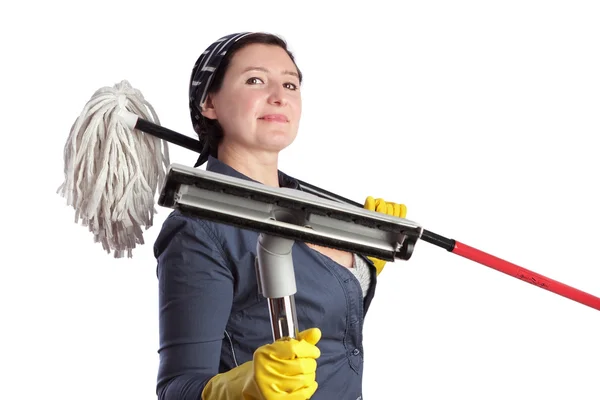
(450, 245)
(101, 133)
(112, 173)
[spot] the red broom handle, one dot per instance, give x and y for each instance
(511, 269)
(526, 275)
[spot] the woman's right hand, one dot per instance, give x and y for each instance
(282, 370)
(286, 369)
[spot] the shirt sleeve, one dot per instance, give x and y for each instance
(195, 299)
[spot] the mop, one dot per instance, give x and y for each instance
(113, 169)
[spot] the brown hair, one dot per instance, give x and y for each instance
(210, 129)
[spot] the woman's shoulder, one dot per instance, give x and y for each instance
(178, 221)
(208, 232)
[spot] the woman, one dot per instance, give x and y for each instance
(215, 332)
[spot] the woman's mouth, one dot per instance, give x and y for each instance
(274, 118)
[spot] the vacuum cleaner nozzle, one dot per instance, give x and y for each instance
(288, 213)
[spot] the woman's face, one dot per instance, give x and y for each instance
(259, 103)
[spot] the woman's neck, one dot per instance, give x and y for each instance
(260, 166)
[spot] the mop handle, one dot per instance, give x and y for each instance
(451, 245)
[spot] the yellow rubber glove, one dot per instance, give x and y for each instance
(284, 369)
(382, 206)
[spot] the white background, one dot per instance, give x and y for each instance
(482, 117)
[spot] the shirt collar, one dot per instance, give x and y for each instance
(218, 166)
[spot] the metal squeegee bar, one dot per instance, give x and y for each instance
(288, 213)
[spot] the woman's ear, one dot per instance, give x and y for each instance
(208, 108)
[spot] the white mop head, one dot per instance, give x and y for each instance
(111, 171)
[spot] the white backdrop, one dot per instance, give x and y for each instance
(480, 116)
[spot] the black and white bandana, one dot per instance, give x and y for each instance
(202, 75)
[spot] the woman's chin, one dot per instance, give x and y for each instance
(277, 141)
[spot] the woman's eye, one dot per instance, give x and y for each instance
(291, 86)
(254, 81)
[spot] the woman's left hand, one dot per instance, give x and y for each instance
(385, 207)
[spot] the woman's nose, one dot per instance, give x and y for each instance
(277, 94)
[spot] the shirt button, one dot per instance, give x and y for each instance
(356, 352)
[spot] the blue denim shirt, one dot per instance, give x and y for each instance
(212, 317)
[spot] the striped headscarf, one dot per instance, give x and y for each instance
(202, 76)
